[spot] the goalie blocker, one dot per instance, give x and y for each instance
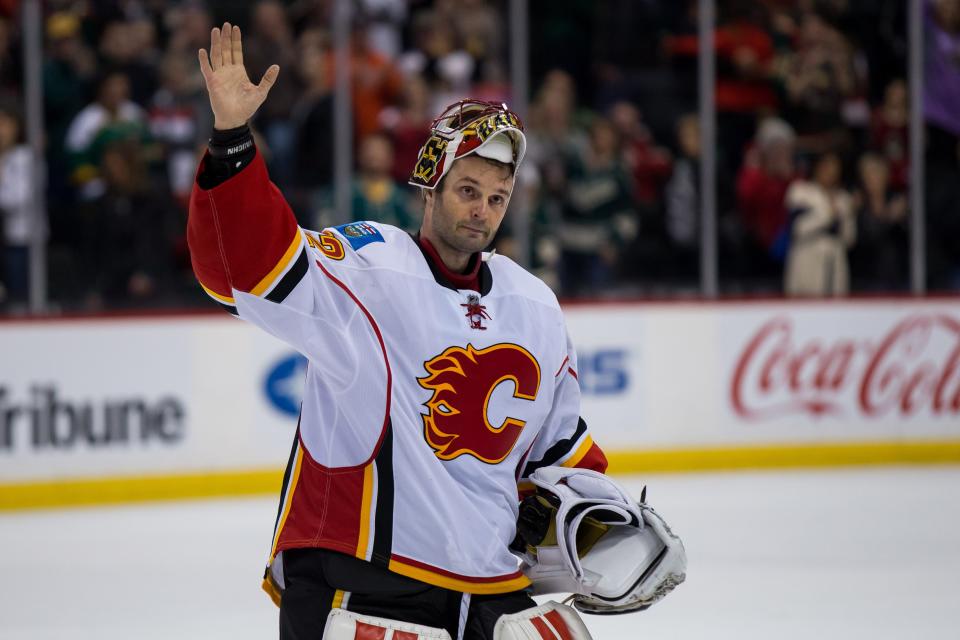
(582, 533)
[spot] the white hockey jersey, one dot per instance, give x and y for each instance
(424, 405)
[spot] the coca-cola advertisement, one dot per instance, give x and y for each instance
(873, 369)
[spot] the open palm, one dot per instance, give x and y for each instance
(233, 98)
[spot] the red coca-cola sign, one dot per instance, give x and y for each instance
(911, 368)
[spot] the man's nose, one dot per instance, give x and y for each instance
(480, 210)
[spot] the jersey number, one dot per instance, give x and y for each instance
(328, 244)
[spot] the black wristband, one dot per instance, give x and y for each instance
(230, 143)
(231, 150)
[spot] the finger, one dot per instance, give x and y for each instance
(226, 44)
(205, 68)
(216, 58)
(237, 47)
(269, 77)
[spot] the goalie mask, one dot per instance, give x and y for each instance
(582, 533)
(487, 129)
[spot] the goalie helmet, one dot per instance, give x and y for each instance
(583, 534)
(487, 129)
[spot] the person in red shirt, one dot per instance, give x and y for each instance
(762, 184)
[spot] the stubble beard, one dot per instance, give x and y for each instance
(446, 230)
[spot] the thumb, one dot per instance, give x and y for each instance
(269, 77)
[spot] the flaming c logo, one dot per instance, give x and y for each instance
(462, 382)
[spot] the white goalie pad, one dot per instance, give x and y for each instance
(631, 559)
(346, 625)
(550, 620)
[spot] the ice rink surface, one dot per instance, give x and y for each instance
(840, 554)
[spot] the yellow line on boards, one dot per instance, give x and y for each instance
(119, 490)
(793, 455)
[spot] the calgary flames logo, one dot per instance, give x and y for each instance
(463, 381)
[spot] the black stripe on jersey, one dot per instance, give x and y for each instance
(383, 520)
(290, 279)
(229, 308)
(286, 478)
(557, 451)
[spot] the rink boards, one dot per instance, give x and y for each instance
(114, 409)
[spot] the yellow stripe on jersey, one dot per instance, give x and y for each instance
(264, 284)
(578, 455)
(455, 584)
(216, 296)
(289, 500)
(337, 600)
(270, 587)
(365, 516)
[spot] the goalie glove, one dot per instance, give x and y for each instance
(582, 533)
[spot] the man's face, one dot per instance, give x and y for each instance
(466, 214)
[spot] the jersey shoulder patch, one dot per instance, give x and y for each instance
(360, 234)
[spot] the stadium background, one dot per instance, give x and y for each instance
(748, 207)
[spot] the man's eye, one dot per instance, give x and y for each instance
(496, 200)
(467, 191)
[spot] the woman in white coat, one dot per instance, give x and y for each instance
(823, 228)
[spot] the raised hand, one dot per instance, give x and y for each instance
(233, 98)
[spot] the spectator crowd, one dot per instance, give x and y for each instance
(812, 148)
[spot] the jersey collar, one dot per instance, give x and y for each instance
(477, 278)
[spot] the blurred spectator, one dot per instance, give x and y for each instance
(941, 98)
(553, 132)
(271, 41)
(683, 189)
(123, 233)
(189, 25)
(129, 48)
(598, 218)
(375, 82)
(890, 133)
(375, 194)
(110, 116)
(11, 62)
(69, 68)
(818, 78)
(744, 90)
(408, 125)
(767, 173)
(879, 261)
(823, 227)
(479, 30)
(181, 120)
(438, 58)
(553, 136)
(649, 164)
(20, 220)
(312, 119)
(386, 20)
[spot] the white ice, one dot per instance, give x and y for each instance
(844, 554)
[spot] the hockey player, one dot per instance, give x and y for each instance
(440, 378)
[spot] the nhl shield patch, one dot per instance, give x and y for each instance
(360, 234)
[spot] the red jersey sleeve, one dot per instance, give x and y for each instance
(241, 233)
